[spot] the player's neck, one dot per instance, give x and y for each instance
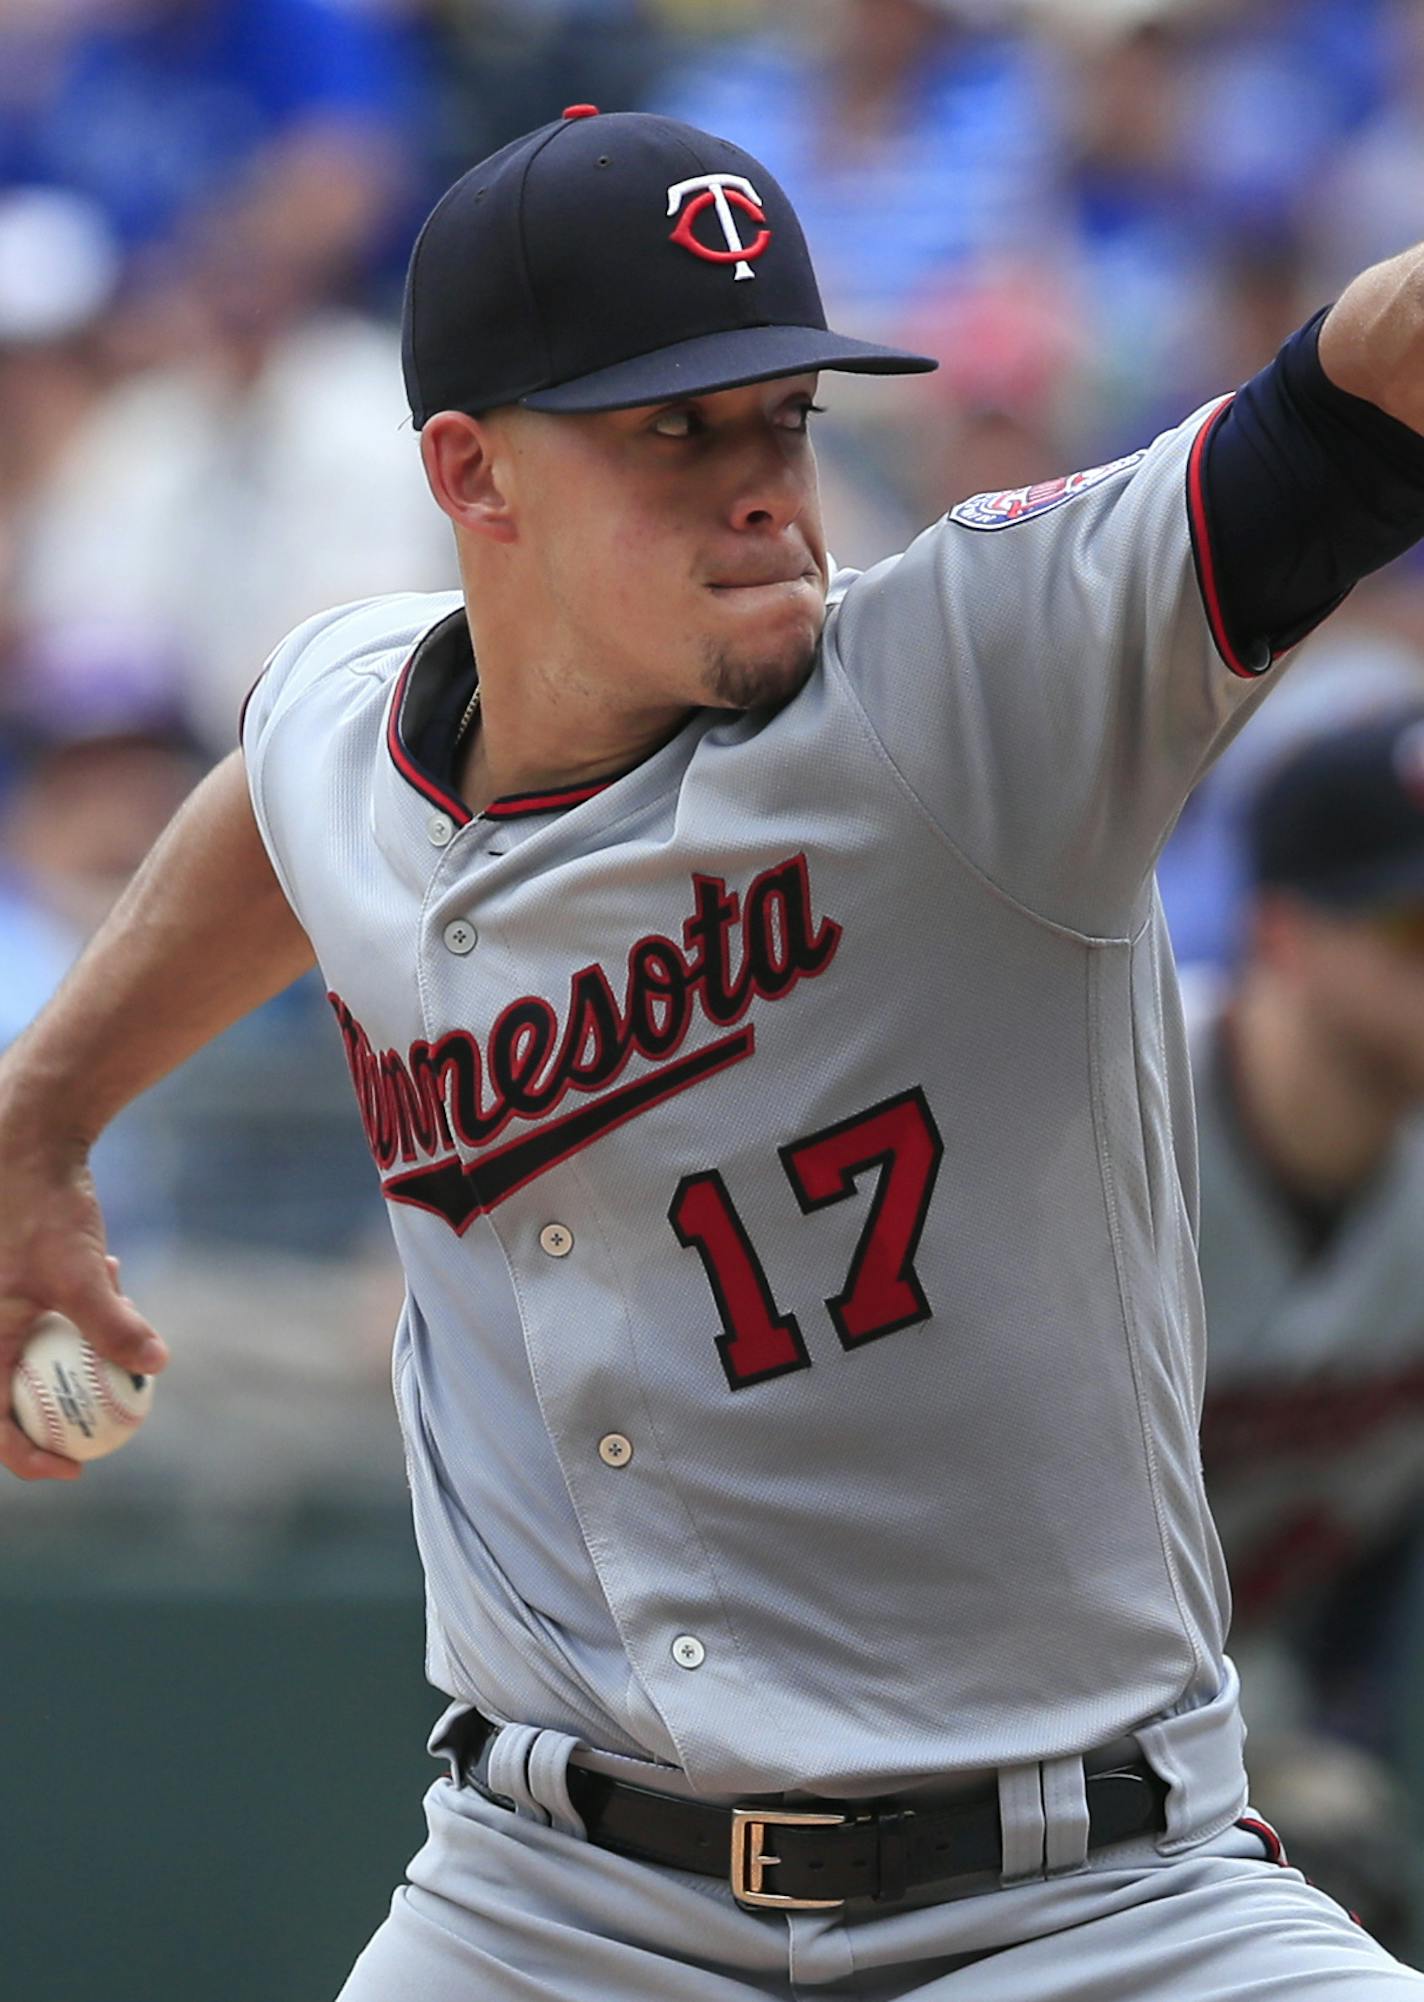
(1321, 1125)
(538, 729)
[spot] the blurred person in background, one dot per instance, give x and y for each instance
(1180, 283)
(59, 267)
(1133, 241)
(1308, 1072)
(250, 161)
(99, 765)
(97, 762)
(204, 502)
(100, 758)
(1308, 1069)
(101, 762)
(240, 1200)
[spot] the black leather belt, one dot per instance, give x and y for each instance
(813, 1857)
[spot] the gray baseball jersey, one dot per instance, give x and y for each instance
(1313, 1429)
(788, 1147)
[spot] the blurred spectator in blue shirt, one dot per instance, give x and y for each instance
(255, 1140)
(59, 267)
(99, 764)
(196, 508)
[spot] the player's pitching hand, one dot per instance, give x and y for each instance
(52, 1255)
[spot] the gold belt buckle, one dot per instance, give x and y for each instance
(750, 1860)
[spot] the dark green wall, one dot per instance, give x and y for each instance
(210, 1788)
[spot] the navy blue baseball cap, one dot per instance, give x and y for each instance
(1340, 820)
(615, 259)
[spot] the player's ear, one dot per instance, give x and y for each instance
(466, 472)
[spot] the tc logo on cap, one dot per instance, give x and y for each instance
(722, 192)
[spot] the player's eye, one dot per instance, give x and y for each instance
(681, 422)
(685, 421)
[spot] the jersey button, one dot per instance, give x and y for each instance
(460, 936)
(615, 1450)
(557, 1239)
(440, 830)
(688, 1651)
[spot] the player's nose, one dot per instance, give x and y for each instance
(770, 490)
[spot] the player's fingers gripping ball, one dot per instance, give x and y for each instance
(71, 1400)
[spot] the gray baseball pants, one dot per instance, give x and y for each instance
(505, 1906)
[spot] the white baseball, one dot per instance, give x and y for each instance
(70, 1400)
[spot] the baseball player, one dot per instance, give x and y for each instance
(758, 1006)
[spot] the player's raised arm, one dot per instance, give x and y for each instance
(1372, 341)
(201, 936)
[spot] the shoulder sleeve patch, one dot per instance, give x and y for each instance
(1016, 504)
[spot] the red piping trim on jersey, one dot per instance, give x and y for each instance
(515, 803)
(508, 808)
(1201, 542)
(1275, 1848)
(405, 764)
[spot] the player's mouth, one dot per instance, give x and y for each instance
(776, 580)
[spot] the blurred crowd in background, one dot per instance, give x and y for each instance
(1098, 213)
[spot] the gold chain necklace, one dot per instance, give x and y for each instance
(471, 711)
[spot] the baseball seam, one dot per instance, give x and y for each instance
(98, 1380)
(45, 1404)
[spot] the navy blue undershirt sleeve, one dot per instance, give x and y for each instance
(1304, 490)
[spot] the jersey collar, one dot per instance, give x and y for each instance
(431, 694)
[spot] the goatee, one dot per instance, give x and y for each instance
(732, 681)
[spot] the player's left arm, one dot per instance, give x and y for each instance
(1372, 341)
(1312, 475)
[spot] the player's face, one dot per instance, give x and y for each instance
(1365, 979)
(679, 546)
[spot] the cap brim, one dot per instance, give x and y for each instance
(724, 361)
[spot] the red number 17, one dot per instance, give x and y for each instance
(900, 1141)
